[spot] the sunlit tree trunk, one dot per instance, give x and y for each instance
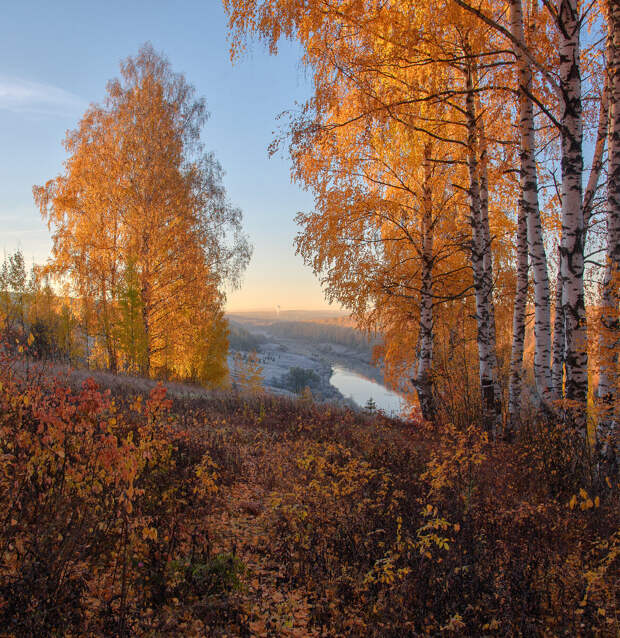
(557, 368)
(518, 326)
(107, 328)
(515, 383)
(145, 291)
(538, 257)
(572, 242)
(481, 266)
(529, 202)
(488, 264)
(609, 341)
(423, 380)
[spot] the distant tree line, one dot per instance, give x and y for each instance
(241, 339)
(316, 332)
(33, 316)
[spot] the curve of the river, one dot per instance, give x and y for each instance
(360, 389)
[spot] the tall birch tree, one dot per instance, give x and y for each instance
(609, 340)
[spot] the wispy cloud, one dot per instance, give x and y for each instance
(24, 96)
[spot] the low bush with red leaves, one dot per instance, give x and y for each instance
(143, 515)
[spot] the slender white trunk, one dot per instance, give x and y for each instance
(538, 260)
(423, 381)
(598, 157)
(482, 267)
(518, 327)
(488, 261)
(609, 342)
(557, 370)
(529, 204)
(572, 243)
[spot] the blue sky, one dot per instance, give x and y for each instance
(56, 59)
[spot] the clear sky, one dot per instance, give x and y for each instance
(56, 58)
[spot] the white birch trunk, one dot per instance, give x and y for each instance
(423, 381)
(481, 266)
(609, 342)
(538, 261)
(518, 327)
(557, 369)
(488, 262)
(529, 205)
(573, 232)
(598, 157)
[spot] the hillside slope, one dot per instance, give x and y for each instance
(224, 515)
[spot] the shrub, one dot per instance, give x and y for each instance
(258, 516)
(97, 498)
(297, 379)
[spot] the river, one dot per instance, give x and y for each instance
(361, 389)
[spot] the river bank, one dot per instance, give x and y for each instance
(337, 372)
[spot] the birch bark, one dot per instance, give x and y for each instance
(518, 327)
(609, 341)
(482, 266)
(488, 262)
(572, 242)
(557, 368)
(423, 381)
(536, 249)
(529, 209)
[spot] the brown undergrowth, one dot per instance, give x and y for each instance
(139, 515)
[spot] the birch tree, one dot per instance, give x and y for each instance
(481, 258)
(609, 340)
(570, 339)
(140, 200)
(385, 52)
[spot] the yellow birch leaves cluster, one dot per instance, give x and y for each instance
(143, 233)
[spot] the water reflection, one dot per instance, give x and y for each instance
(360, 389)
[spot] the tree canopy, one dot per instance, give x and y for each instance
(142, 229)
(446, 146)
